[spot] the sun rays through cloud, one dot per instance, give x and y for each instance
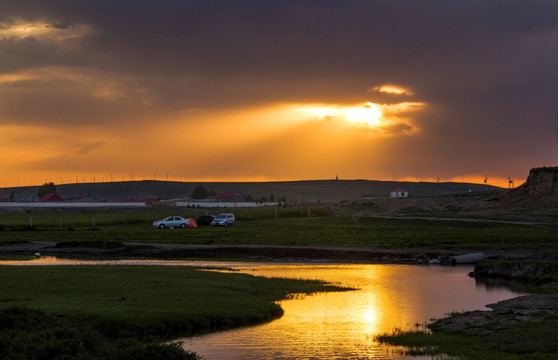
(378, 118)
(276, 90)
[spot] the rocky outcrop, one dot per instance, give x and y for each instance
(542, 181)
(539, 191)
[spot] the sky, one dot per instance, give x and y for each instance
(266, 90)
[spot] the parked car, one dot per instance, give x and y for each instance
(171, 221)
(223, 220)
(205, 219)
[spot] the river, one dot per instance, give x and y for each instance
(336, 325)
(342, 325)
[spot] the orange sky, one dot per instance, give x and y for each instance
(286, 90)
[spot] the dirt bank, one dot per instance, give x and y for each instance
(252, 252)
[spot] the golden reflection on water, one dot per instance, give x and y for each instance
(334, 325)
(343, 325)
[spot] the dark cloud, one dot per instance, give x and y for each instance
(485, 69)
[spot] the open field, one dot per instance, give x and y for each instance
(116, 303)
(293, 227)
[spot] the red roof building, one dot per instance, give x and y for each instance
(230, 196)
(50, 197)
(82, 198)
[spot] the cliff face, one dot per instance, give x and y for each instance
(542, 181)
(539, 191)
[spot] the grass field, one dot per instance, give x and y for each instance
(292, 227)
(135, 302)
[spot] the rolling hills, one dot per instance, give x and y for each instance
(308, 191)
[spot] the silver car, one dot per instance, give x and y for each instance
(171, 222)
(223, 220)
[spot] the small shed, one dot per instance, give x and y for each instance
(399, 193)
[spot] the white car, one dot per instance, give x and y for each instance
(223, 220)
(171, 222)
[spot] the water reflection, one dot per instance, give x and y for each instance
(343, 325)
(339, 325)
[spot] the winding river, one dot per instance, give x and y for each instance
(342, 325)
(337, 325)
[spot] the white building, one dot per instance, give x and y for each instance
(399, 193)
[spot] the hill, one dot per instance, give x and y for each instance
(294, 191)
(535, 200)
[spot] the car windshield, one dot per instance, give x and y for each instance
(222, 216)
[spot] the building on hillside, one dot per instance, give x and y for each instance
(50, 197)
(399, 193)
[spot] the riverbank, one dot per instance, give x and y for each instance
(380, 255)
(518, 328)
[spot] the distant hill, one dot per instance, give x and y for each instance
(307, 190)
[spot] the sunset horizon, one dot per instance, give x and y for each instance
(114, 178)
(276, 91)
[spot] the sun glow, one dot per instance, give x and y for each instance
(368, 114)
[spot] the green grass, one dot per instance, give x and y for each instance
(148, 300)
(34, 334)
(260, 227)
(124, 312)
(529, 340)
